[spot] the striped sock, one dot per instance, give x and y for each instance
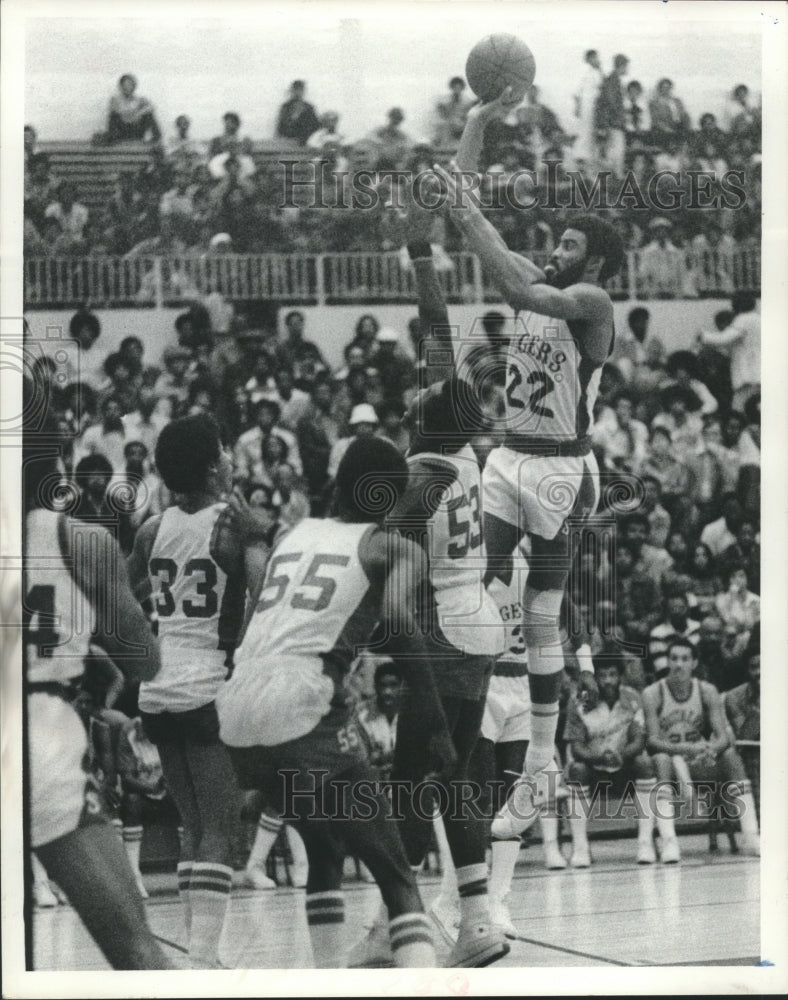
(209, 894)
(325, 916)
(184, 877)
(541, 747)
(411, 941)
(472, 886)
(268, 828)
(117, 825)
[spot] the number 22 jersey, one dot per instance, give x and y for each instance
(316, 607)
(199, 610)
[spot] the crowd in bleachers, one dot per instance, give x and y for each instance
(192, 191)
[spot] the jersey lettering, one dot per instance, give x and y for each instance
(166, 572)
(315, 591)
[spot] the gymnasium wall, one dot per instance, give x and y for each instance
(676, 323)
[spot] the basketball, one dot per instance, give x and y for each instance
(497, 62)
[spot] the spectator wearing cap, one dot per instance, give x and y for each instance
(297, 119)
(394, 144)
(609, 119)
(661, 265)
(248, 447)
(363, 423)
(397, 369)
(230, 141)
(131, 118)
(742, 339)
(451, 115)
(294, 351)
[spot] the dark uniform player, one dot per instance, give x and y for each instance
(183, 562)
(75, 591)
(544, 474)
(284, 712)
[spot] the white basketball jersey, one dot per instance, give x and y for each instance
(57, 616)
(467, 615)
(188, 593)
(551, 387)
(682, 721)
(316, 608)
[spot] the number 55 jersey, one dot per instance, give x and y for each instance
(317, 606)
(198, 593)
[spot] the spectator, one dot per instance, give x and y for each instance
(230, 141)
(363, 423)
(125, 381)
(92, 476)
(714, 471)
(107, 438)
(85, 328)
(585, 148)
(661, 462)
(718, 661)
(131, 118)
(661, 265)
(177, 205)
(144, 424)
(658, 517)
(294, 351)
(318, 431)
(637, 596)
(676, 623)
(680, 416)
(740, 118)
(682, 367)
(623, 439)
(720, 534)
(668, 116)
(293, 402)
(649, 559)
(173, 384)
(365, 333)
(451, 115)
(261, 384)
(629, 349)
(297, 118)
(397, 369)
(181, 150)
(705, 584)
(745, 552)
(392, 425)
(377, 717)
(394, 144)
(709, 142)
(737, 606)
(539, 125)
(248, 448)
(609, 119)
(743, 340)
(637, 123)
(739, 444)
(71, 215)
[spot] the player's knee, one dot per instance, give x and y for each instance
(731, 765)
(663, 766)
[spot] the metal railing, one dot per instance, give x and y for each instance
(334, 278)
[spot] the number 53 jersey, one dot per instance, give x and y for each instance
(199, 610)
(316, 607)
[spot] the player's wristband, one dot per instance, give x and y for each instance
(419, 249)
(583, 654)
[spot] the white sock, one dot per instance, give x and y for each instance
(448, 887)
(184, 877)
(504, 857)
(474, 901)
(132, 841)
(747, 815)
(209, 894)
(268, 828)
(665, 813)
(578, 818)
(411, 942)
(549, 824)
(297, 852)
(643, 790)
(325, 916)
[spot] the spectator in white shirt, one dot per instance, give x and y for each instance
(624, 439)
(682, 367)
(293, 402)
(248, 447)
(72, 216)
(743, 340)
(721, 534)
(738, 606)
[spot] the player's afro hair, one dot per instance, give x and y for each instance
(371, 478)
(186, 450)
(602, 240)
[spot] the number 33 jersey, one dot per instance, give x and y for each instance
(199, 611)
(316, 607)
